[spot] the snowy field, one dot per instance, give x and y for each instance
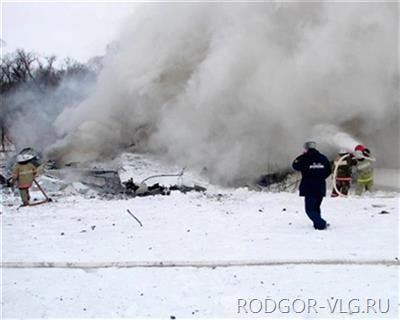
(221, 253)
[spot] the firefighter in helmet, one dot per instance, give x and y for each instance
(23, 174)
(365, 171)
(343, 164)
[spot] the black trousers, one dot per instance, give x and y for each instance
(313, 210)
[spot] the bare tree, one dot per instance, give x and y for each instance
(28, 80)
(16, 68)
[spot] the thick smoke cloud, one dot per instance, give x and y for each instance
(237, 88)
(30, 113)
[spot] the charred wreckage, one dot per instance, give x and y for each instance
(107, 183)
(104, 182)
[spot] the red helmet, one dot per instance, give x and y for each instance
(359, 147)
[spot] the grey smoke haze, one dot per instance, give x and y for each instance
(237, 88)
(29, 112)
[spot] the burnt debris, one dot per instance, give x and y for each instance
(142, 189)
(103, 181)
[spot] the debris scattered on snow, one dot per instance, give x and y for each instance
(142, 189)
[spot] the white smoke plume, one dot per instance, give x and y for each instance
(332, 137)
(237, 88)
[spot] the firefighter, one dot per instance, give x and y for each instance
(342, 180)
(364, 169)
(314, 168)
(23, 174)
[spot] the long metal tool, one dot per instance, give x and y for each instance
(133, 216)
(42, 191)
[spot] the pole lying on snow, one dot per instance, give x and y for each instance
(192, 264)
(133, 216)
(42, 191)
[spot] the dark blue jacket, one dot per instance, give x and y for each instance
(315, 168)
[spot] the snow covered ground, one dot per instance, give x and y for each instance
(221, 253)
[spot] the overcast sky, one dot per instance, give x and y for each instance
(79, 30)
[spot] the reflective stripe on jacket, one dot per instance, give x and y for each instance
(365, 180)
(343, 178)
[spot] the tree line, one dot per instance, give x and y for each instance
(23, 71)
(22, 68)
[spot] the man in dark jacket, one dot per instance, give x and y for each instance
(314, 168)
